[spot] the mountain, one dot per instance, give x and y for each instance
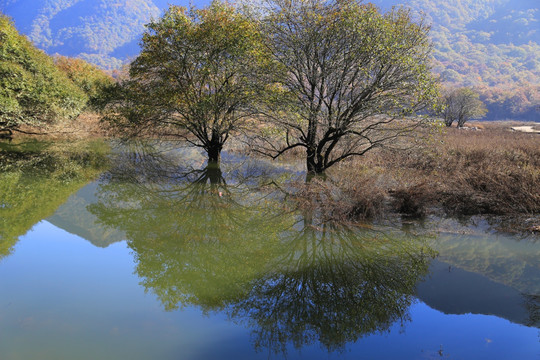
(491, 45)
(103, 32)
(74, 217)
(453, 290)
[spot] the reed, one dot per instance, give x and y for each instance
(457, 172)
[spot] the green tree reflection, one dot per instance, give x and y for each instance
(198, 241)
(333, 285)
(195, 239)
(37, 177)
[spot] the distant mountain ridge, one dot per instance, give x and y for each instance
(482, 34)
(104, 32)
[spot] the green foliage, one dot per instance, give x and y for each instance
(196, 74)
(461, 105)
(32, 89)
(92, 80)
(350, 73)
(490, 45)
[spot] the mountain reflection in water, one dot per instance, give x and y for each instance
(37, 177)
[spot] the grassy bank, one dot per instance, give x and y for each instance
(456, 172)
(492, 171)
(87, 125)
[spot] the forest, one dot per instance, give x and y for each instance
(491, 45)
(36, 89)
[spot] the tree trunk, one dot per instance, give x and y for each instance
(314, 166)
(214, 153)
(311, 162)
(214, 173)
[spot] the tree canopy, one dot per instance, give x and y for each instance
(348, 73)
(89, 78)
(461, 105)
(195, 74)
(336, 78)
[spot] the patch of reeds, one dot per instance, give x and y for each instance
(459, 172)
(490, 172)
(350, 196)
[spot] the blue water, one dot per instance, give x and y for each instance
(154, 257)
(63, 298)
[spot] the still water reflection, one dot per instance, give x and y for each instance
(235, 248)
(269, 280)
(37, 177)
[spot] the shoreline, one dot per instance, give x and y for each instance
(491, 172)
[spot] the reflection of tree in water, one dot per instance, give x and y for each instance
(37, 177)
(201, 242)
(333, 285)
(194, 240)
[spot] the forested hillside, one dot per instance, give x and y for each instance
(36, 89)
(104, 32)
(33, 90)
(492, 45)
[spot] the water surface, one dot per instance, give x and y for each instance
(154, 255)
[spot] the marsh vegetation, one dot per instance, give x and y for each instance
(492, 171)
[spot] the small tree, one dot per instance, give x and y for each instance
(461, 105)
(349, 75)
(195, 76)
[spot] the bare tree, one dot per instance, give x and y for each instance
(461, 105)
(349, 75)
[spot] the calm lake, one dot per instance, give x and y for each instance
(140, 251)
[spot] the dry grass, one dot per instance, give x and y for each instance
(343, 198)
(494, 171)
(458, 172)
(85, 126)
